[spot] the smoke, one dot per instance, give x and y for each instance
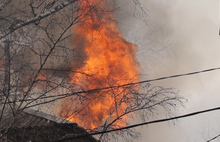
(180, 37)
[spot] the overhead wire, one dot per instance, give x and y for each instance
(140, 124)
(61, 96)
(213, 138)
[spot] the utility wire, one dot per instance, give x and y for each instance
(61, 96)
(141, 124)
(150, 80)
(179, 75)
(214, 138)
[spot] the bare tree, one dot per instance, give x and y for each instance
(34, 51)
(37, 62)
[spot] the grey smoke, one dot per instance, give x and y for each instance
(181, 36)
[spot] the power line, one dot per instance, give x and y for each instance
(180, 75)
(214, 138)
(150, 80)
(61, 96)
(141, 124)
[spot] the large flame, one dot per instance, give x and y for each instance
(110, 62)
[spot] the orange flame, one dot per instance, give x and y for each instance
(110, 62)
(1, 62)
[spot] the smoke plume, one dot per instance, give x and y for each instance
(180, 37)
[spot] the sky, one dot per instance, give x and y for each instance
(180, 36)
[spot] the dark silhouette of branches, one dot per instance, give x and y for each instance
(61, 96)
(4, 3)
(37, 58)
(32, 20)
(147, 123)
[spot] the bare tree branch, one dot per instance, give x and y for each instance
(37, 18)
(145, 123)
(4, 3)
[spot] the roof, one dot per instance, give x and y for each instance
(30, 118)
(36, 126)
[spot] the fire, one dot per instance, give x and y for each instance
(110, 62)
(42, 81)
(1, 62)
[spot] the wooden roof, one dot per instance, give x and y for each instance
(29, 118)
(35, 126)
